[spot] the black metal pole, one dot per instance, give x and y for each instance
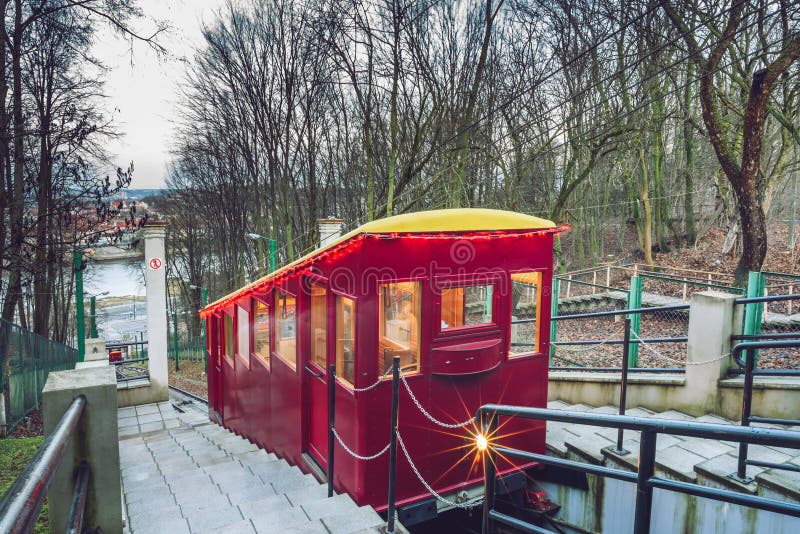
(77, 509)
(623, 385)
(747, 405)
(644, 491)
(331, 423)
(487, 426)
(390, 512)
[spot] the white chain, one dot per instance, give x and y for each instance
(589, 348)
(467, 505)
(673, 360)
(376, 384)
(355, 455)
(428, 415)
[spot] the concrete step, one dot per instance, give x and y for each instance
(708, 462)
(204, 478)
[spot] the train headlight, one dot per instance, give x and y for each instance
(481, 442)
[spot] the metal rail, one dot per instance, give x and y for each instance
(622, 341)
(770, 298)
(633, 311)
(665, 370)
(749, 348)
(645, 479)
(77, 509)
(20, 506)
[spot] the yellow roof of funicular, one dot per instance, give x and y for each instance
(455, 220)
(434, 221)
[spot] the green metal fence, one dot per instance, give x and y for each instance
(29, 359)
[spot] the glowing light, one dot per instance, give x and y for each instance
(481, 442)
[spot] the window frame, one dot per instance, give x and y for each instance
(274, 346)
(350, 388)
(248, 326)
(312, 278)
(493, 278)
(264, 301)
(230, 359)
(379, 316)
(538, 338)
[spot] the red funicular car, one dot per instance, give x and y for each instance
(461, 296)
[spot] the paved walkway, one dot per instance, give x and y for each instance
(182, 474)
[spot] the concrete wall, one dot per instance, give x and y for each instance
(95, 441)
(607, 506)
(704, 387)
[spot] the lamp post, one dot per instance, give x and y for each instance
(203, 300)
(271, 242)
(93, 313)
(78, 266)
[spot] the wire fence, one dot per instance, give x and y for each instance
(188, 349)
(28, 359)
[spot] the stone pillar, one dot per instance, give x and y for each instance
(156, 288)
(95, 349)
(711, 324)
(95, 440)
(330, 230)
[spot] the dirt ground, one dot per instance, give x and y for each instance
(190, 377)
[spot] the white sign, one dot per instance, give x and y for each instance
(155, 263)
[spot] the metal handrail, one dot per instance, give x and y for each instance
(633, 311)
(645, 478)
(117, 344)
(749, 347)
(20, 506)
(77, 509)
(770, 298)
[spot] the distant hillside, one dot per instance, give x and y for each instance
(136, 194)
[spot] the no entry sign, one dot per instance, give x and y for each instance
(155, 263)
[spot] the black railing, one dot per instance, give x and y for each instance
(749, 348)
(391, 510)
(645, 478)
(21, 504)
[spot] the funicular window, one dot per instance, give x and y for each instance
(261, 331)
(228, 341)
(286, 328)
(243, 334)
(318, 326)
(345, 338)
(467, 305)
(525, 299)
(400, 319)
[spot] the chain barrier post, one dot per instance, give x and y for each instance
(635, 302)
(331, 423)
(747, 404)
(644, 491)
(623, 385)
(553, 313)
(390, 512)
(487, 425)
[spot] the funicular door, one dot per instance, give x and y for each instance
(315, 371)
(215, 367)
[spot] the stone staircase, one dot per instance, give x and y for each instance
(703, 461)
(201, 478)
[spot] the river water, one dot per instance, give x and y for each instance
(119, 278)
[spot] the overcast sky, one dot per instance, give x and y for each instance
(142, 88)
